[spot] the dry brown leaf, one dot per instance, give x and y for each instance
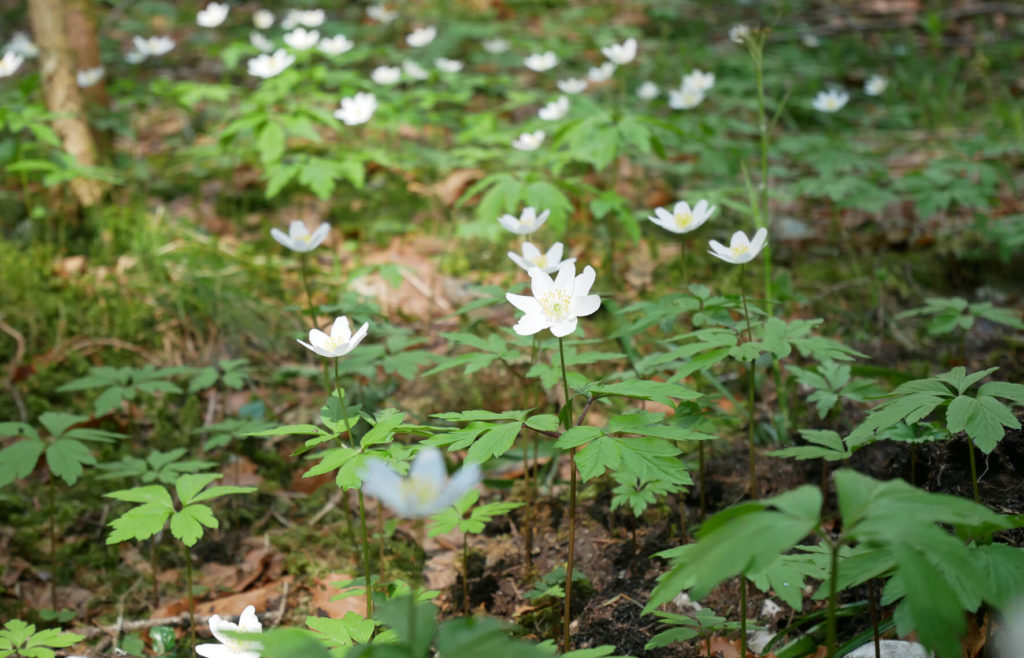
(323, 590)
(261, 598)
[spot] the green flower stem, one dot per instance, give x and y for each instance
(743, 616)
(756, 47)
(362, 503)
(53, 541)
(191, 601)
(304, 273)
(700, 476)
(567, 420)
(974, 471)
(830, 626)
(465, 575)
(682, 258)
(750, 399)
(873, 606)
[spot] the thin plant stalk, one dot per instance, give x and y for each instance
(465, 574)
(191, 600)
(750, 399)
(362, 504)
(974, 472)
(152, 567)
(528, 527)
(53, 543)
(755, 45)
(304, 273)
(567, 421)
(830, 622)
(380, 541)
(700, 476)
(682, 259)
(873, 606)
(743, 616)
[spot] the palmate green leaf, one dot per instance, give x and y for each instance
(748, 540)
(825, 444)
(187, 524)
(54, 638)
(153, 494)
(910, 408)
(189, 485)
(932, 605)
(331, 460)
(1002, 567)
(983, 418)
(66, 459)
(645, 389)
(1004, 316)
(139, 523)
(495, 442)
(383, 430)
(19, 459)
(960, 380)
(345, 632)
(1005, 390)
(57, 423)
(217, 492)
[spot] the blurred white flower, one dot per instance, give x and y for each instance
(299, 238)
(556, 305)
(741, 249)
(231, 647)
(830, 101)
(426, 490)
(541, 62)
(10, 63)
(682, 219)
(810, 39)
(685, 98)
(386, 75)
(620, 53)
(22, 45)
(529, 141)
(698, 80)
(339, 342)
(134, 57)
(263, 19)
(495, 46)
(335, 45)
(302, 39)
(572, 85)
(532, 257)
(357, 109)
(89, 77)
(267, 66)
(304, 17)
(421, 36)
(448, 65)
(381, 14)
(876, 85)
(153, 46)
(554, 110)
(213, 15)
(260, 42)
(739, 33)
(648, 91)
(414, 70)
(601, 73)
(527, 222)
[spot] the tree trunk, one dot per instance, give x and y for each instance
(80, 23)
(62, 94)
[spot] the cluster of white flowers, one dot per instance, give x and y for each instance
(303, 17)
(267, 66)
(302, 39)
(554, 110)
(691, 91)
(684, 219)
(529, 141)
(381, 14)
(336, 45)
(357, 109)
(145, 48)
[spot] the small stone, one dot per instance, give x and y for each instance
(891, 649)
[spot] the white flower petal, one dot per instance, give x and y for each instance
(586, 305)
(564, 327)
(530, 324)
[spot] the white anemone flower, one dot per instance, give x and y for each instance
(231, 647)
(260, 42)
(357, 109)
(601, 73)
(620, 53)
(698, 80)
(741, 249)
(528, 222)
(304, 17)
(267, 66)
(22, 45)
(830, 101)
(739, 33)
(541, 62)
(134, 57)
(153, 46)
(554, 110)
(339, 342)
(263, 19)
(683, 219)
(421, 36)
(810, 40)
(426, 490)
(529, 141)
(495, 46)
(556, 304)
(532, 257)
(381, 14)
(302, 39)
(414, 70)
(336, 45)
(572, 86)
(685, 98)
(386, 75)
(299, 238)
(10, 63)
(212, 15)
(89, 77)
(876, 85)
(648, 91)
(448, 65)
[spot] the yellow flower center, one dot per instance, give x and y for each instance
(540, 261)
(555, 303)
(683, 219)
(739, 250)
(420, 490)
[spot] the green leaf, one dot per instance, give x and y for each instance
(139, 523)
(645, 389)
(58, 423)
(19, 459)
(1014, 392)
(271, 142)
(825, 444)
(188, 486)
(187, 525)
(383, 430)
(494, 442)
(66, 457)
(345, 632)
(153, 494)
(931, 603)
(217, 492)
